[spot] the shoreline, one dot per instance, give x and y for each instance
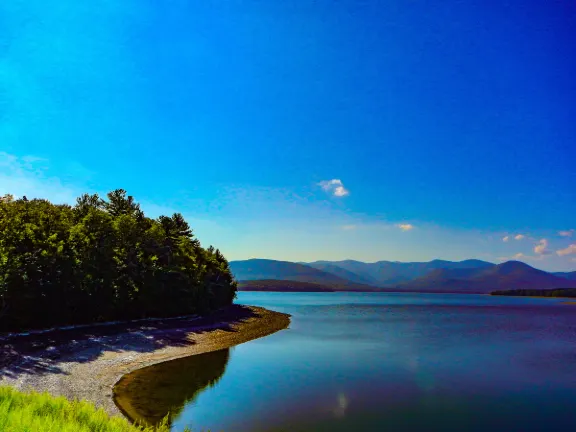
(87, 363)
(534, 296)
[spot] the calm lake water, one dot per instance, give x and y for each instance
(384, 362)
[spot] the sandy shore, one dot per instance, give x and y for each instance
(86, 363)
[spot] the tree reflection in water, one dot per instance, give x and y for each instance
(147, 395)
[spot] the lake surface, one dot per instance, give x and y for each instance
(383, 362)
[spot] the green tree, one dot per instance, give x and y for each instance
(101, 260)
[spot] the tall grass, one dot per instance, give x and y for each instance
(41, 412)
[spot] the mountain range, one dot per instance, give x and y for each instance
(468, 276)
(566, 275)
(386, 273)
(506, 276)
(265, 269)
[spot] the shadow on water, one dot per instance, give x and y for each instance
(147, 395)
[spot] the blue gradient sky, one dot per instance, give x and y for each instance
(454, 120)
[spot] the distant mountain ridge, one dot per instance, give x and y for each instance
(341, 272)
(386, 273)
(257, 269)
(265, 269)
(506, 276)
(468, 276)
(566, 275)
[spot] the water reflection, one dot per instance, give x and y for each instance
(147, 395)
(378, 363)
(340, 410)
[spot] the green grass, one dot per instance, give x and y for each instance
(41, 412)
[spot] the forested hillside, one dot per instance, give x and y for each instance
(100, 260)
(267, 269)
(283, 286)
(272, 270)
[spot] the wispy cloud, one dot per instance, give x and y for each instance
(567, 233)
(348, 227)
(541, 248)
(334, 187)
(522, 257)
(507, 238)
(570, 250)
(405, 227)
(28, 176)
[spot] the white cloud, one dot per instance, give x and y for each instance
(570, 250)
(348, 227)
(522, 257)
(517, 256)
(405, 227)
(541, 248)
(334, 187)
(567, 233)
(515, 237)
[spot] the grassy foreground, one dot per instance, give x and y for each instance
(41, 412)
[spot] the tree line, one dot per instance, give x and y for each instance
(558, 292)
(102, 260)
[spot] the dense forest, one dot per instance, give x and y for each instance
(560, 292)
(101, 260)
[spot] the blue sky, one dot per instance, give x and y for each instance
(305, 130)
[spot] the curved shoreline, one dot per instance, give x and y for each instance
(86, 364)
